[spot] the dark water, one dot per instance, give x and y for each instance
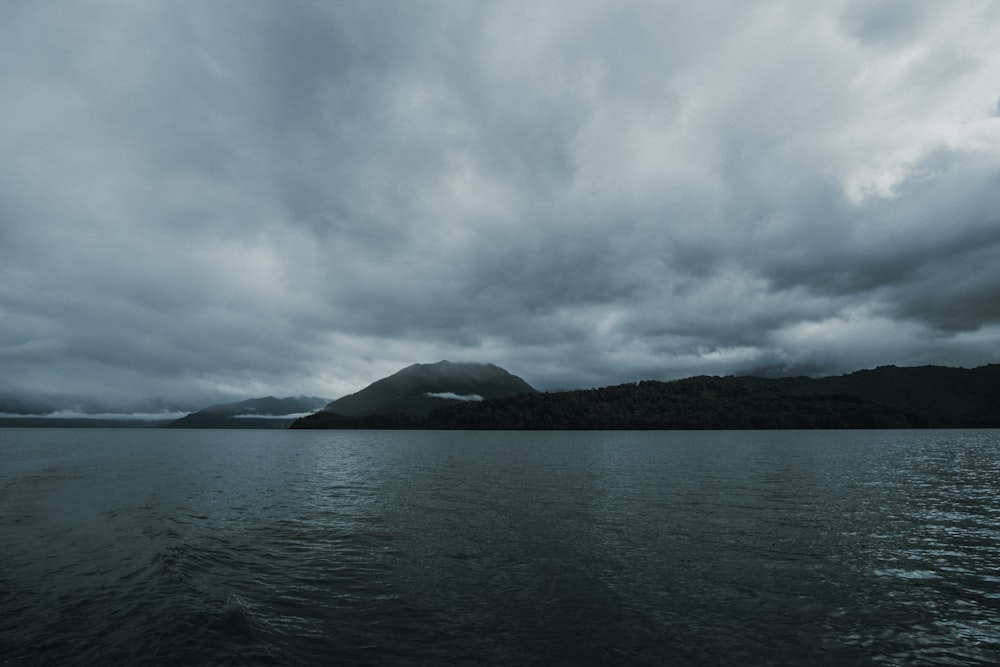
(161, 547)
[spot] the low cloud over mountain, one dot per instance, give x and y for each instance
(420, 388)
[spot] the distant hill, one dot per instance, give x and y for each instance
(886, 397)
(70, 411)
(267, 412)
(449, 395)
(31, 421)
(417, 390)
(945, 396)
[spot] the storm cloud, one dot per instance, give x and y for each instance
(226, 199)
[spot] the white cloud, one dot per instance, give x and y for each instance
(454, 397)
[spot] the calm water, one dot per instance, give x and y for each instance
(166, 547)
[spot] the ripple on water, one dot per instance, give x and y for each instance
(424, 548)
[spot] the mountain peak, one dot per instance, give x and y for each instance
(269, 412)
(420, 388)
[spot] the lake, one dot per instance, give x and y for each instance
(165, 547)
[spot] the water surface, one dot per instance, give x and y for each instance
(424, 548)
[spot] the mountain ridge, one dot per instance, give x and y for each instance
(884, 397)
(266, 412)
(475, 395)
(418, 389)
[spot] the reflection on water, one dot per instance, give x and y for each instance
(304, 547)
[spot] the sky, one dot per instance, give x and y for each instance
(204, 200)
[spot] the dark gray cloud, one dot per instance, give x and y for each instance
(210, 200)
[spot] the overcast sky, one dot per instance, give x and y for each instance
(207, 199)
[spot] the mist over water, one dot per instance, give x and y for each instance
(645, 548)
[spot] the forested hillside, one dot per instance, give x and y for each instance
(886, 397)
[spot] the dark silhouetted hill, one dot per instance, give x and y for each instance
(886, 397)
(267, 412)
(416, 391)
(945, 396)
(693, 403)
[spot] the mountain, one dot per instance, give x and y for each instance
(699, 403)
(947, 396)
(74, 411)
(449, 395)
(417, 390)
(267, 412)
(885, 397)
(89, 421)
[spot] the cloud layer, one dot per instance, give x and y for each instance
(202, 200)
